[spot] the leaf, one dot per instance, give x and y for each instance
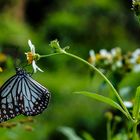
(103, 99)
(87, 136)
(69, 133)
(136, 107)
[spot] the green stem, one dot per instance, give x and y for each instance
(108, 130)
(134, 136)
(41, 56)
(101, 74)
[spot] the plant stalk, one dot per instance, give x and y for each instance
(101, 74)
(108, 130)
(134, 134)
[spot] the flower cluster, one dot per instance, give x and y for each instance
(32, 56)
(136, 7)
(115, 60)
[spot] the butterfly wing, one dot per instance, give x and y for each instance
(33, 98)
(8, 102)
(22, 95)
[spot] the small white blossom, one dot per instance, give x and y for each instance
(119, 64)
(32, 47)
(134, 59)
(92, 57)
(135, 55)
(91, 53)
(106, 54)
(128, 104)
(114, 52)
(31, 57)
(136, 68)
(35, 67)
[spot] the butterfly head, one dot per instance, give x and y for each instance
(20, 71)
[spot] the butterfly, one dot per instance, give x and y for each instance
(21, 94)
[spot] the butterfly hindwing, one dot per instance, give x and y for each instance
(34, 97)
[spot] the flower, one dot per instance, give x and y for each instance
(92, 57)
(128, 104)
(135, 56)
(135, 60)
(106, 56)
(105, 53)
(136, 68)
(32, 57)
(136, 7)
(116, 53)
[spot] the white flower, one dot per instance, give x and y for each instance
(91, 53)
(32, 57)
(104, 53)
(115, 52)
(128, 104)
(134, 60)
(136, 68)
(117, 64)
(92, 57)
(35, 67)
(32, 47)
(135, 55)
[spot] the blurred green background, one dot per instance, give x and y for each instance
(82, 25)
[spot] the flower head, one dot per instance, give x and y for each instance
(32, 57)
(128, 104)
(92, 57)
(135, 60)
(106, 56)
(136, 7)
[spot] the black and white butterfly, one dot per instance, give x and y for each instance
(21, 94)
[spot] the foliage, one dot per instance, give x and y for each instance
(84, 25)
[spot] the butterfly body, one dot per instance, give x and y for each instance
(21, 94)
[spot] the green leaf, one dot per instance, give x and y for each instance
(69, 133)
(87, 136)
(136, 107)
(103, 99)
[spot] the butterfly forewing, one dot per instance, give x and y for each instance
(22, 95)
(8, 103)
